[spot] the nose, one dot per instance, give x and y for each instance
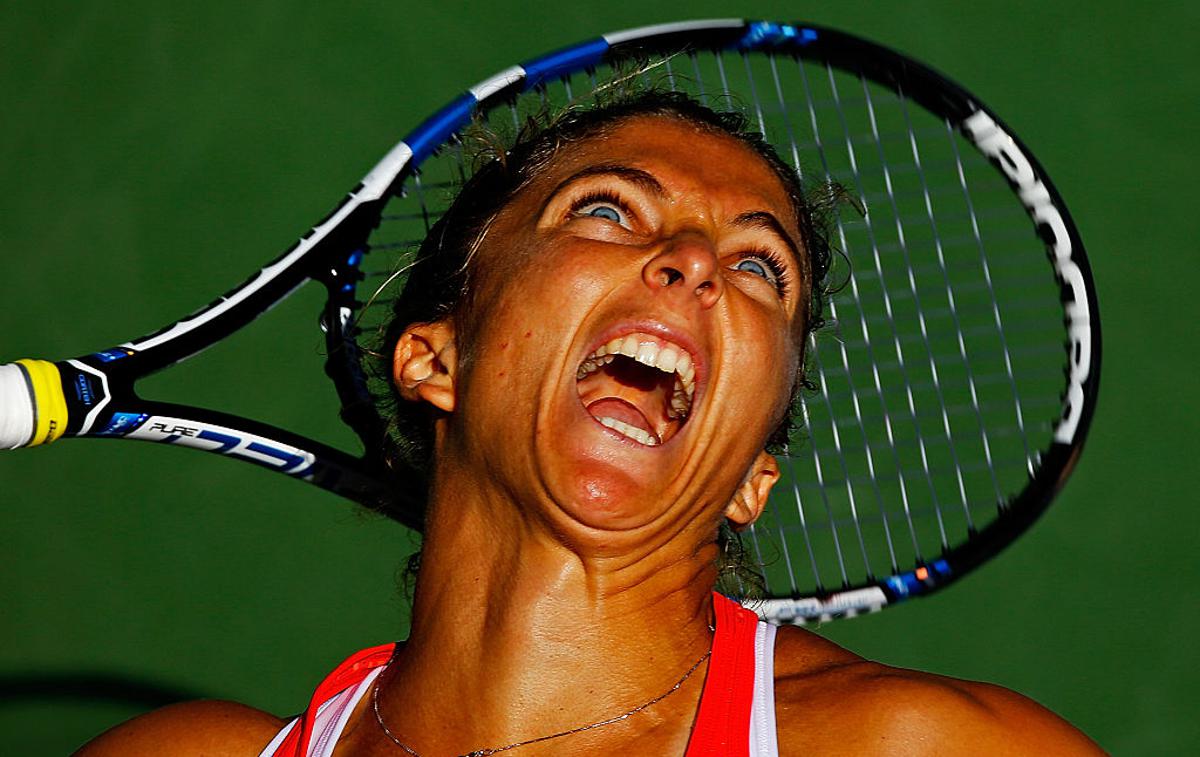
(686, 265)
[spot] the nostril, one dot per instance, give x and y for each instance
(670, 276)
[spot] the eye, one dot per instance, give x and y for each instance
(603, 205)
(756, 267)
(767, 266)
(604, 211)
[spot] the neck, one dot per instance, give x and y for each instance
(528, 638)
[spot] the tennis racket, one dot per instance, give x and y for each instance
(957, 376)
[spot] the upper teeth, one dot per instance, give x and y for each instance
(651, 351)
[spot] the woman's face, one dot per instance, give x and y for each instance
(632, 337)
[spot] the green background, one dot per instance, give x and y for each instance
(153, 156)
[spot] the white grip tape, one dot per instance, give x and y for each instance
(18, 414)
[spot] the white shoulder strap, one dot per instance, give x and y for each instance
(763, 740)
(330, 720)
(271, 748)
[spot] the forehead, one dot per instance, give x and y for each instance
(691, 161)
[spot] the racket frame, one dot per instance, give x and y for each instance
(100, 399)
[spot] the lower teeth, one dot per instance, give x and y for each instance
(633, 432)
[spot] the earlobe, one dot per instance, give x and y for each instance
(423, 364)
(751, 497)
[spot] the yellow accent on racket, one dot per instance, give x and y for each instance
(49, 400)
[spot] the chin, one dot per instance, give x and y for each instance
(607, 498)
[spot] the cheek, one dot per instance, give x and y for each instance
(544, 277)
(521, 324)
(767, 357)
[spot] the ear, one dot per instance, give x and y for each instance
(751, 497)
(424, 362)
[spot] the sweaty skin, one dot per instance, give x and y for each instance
(567, 567)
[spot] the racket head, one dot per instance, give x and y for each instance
(958, 373)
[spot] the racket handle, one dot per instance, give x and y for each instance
(33, 408)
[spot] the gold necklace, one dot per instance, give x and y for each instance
(495, 750)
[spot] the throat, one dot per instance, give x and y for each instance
(532, 663)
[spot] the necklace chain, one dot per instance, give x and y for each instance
(495, 750)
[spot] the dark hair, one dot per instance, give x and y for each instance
(439, 278)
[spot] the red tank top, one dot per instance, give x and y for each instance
(723, 724)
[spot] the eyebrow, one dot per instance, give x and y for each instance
(761, 219)
(755, 219)
(633, 175)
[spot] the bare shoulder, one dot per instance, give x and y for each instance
(831, 701)
(208, 727)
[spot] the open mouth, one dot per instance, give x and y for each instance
(640, 386)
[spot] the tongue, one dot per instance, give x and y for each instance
(618, 409)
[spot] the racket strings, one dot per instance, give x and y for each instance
(852, 282)
(985, 270)
(937, 374)
(921, 318)
(888, 307)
